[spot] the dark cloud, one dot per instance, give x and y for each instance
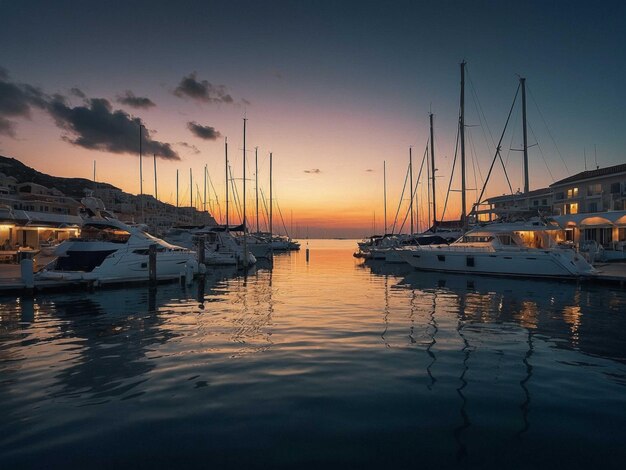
(313, 170)
(129, 99)
(78, 92)
(16, 101)
(7, 127)
(96, 126)
(192, 148)
(202, 90)
(203, 132)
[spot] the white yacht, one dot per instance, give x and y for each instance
(511, 249)
(109, 251)
(221, 248)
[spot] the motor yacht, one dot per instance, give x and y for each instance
(109, 251)
(512, 249)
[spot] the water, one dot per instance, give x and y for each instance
(333, 364)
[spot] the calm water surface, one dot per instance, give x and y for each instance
(327, 364)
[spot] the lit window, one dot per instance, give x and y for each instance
(573, 192)
(571, 208)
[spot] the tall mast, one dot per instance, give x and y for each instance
(432, 164)
(523, 85)
(204, 202)
(141, 172)
(156, 194)
(385, 193)
(428, 189)
(226, 156)
(245, 227)
(177, 190)
(256, 184)
(271, 200)
(94, 176)
(462, 139)
(411, 183)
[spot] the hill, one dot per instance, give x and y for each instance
(73, 187)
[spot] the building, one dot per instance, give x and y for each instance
(538, 201)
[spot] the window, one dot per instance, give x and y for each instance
(559, 196)
(536, 202)
(572, 192)
(544, 202)
(469, 261)
(592, 207)
(615, 188)
(506, 240)
(594, 189)
(441, 257)
(571, 208)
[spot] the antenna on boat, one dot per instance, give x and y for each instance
(522, 82)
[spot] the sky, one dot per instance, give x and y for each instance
(332, 89)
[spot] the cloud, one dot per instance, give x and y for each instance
(202, 90)
(190, 147)
(17, 101)
(78, 92)
(313, 170)
(7, 127)
(96, 126)
(133, 101)
(203, 132)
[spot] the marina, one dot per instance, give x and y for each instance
(388, 361)
(312, 235)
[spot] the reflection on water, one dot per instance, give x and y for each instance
(334, 362)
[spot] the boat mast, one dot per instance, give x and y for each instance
(245, 228)
(385, 193)
(256, 184)
(156, 194)
(177, 192)
(411, 183)
(522, 82)
(462, 139)
(432, 163)
(226, 157)
(271, 200)
(204, 203)
(141, 172)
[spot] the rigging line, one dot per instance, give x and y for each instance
(281, 218)
(217, 200)
(473, 155)
(236, 199)
(267, 212)
(456, 150)
(479, 107)
(482, 192)
(480, 173)
(395, 220)
(541, 152)
(416, 185)
(548, 129)
(508, 154)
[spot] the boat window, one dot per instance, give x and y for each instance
(441, 257)
(104, 233)
(477, 238)
(506, 240)
(469, 261)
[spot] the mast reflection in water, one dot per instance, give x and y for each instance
(332, 363)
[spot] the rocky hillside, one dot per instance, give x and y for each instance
(73, 187)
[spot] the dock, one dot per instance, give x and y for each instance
(610, 273)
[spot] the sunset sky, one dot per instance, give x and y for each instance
(331, 88)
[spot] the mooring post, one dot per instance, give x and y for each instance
(27, 273)
(201, 249)
(152, 263)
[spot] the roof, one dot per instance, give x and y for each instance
(585, 175)
(533, 193)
